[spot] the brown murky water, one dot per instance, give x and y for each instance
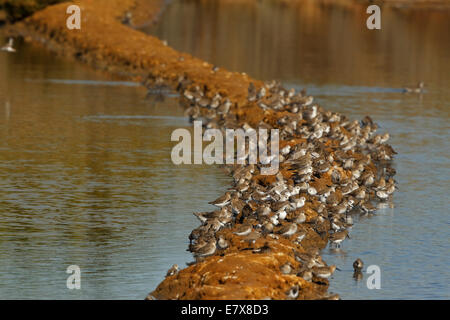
(85, 171)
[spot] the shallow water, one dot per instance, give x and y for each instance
(357, 72)
(85, 170)
(86, 179)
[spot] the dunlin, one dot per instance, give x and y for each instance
(324, 272)
(222, 201)
(286, 268)
(243, 230)
(288, 230)
(300, 237)
(222, 243)
(367, 207)
(206, 250)
(306, 275)
(418, 89)
(382, 195)
(237, 205)
(127, 19)
(298, 202)
(263, 211)
(360, 193)
(341, 208)
(358, 265)
(251, 92)
(172, 271)
(368, 179)
(300, 218)
(9, 46)
(337, 237)
(292, 293)
(267, 227)
(264, 249)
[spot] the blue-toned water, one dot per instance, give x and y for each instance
(85, 171)
(409, 243)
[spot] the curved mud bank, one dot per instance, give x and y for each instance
(251, 267)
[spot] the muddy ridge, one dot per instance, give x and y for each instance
(264, 239)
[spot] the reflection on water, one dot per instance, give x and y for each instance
(358, 72)
(86, 179)
(310, 43)
(409, 243)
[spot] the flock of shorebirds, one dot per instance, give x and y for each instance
(329, 165)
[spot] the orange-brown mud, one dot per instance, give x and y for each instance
(104, 41)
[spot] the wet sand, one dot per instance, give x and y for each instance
(104, 42)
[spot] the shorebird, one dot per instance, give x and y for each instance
(222, 201)
(382, 195)
(368, 179)
(274, 220)
(204, 216)
(243, 230)
(127, 19)
(263, 211)
(172, 271)
(237, 205)
(288, 230)
(360, 193)
(367, 207)
(261, 93)
(336, 224)
(224, 107)
(286, 268)
(341, 208)
(251, 92)
(222, 243)
(418, 89)
(358, 265)
(324, 272)
(282, 214)
(264, 249)
(300, 237)
(252, 237)
(9, 46)
(337, 237)
(300, 218)
(306, 275)
(293, 292)
(267, 227)
(299, 202)
(206, 250)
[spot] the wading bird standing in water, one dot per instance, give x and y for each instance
(418, 89)
(9, 46)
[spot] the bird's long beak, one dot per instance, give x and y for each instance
(338, 269)
(348, 236)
